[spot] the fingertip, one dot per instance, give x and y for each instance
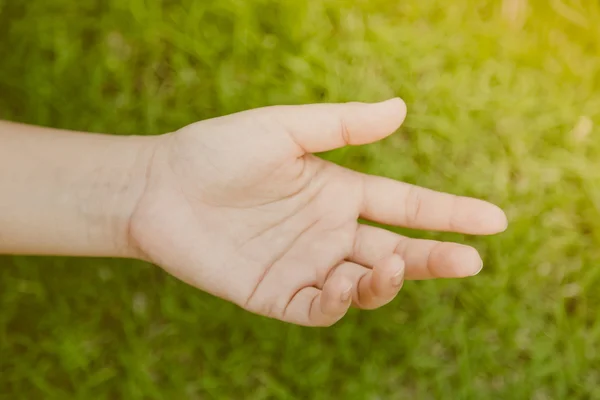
(479, 270)
(466, 261)
(394, 267)
(396, 260)
(483, 218)
(388, 277)
(337, 295)
(398, 278)
(346, 294)
(496, 220)
(400, 105)
(395, 109)
(503, 219)
(398, 268)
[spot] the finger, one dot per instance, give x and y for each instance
(314, 307)
(424, 259)
(388, 278)
(395, 203)
(373, 288)
(323, 127)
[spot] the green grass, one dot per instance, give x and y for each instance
(501, 107)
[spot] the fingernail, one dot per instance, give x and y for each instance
(346, 294)
(479, 270)
(398, 278)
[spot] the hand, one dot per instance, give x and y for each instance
(240, 207)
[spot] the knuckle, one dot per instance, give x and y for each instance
(344, 131)
(413, 204)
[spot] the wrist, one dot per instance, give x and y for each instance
(69, 193)
(118, 188)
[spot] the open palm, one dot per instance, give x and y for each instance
(240, 207)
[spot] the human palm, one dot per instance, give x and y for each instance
(240, 207)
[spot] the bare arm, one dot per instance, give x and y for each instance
(68, 193)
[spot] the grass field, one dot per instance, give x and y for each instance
(504, 104)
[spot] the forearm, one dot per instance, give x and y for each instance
(68, 193)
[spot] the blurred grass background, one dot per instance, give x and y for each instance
(504, 104)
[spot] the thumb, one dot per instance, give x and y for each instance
(323, 127)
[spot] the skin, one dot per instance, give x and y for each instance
(240, 207)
